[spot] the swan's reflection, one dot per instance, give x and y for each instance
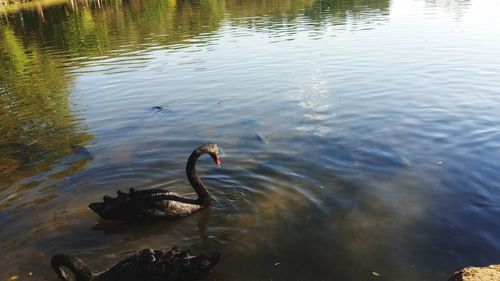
(131, 232)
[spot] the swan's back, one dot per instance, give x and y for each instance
(169, 265)
(134, 205)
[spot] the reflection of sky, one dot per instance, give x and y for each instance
(475, 11)
(312, 96)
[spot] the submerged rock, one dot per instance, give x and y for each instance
(487, 273)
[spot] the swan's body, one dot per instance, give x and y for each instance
(146, 265)
(159, 203)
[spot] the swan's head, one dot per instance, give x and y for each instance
(215, 152)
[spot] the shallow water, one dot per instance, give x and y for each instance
(360, 137)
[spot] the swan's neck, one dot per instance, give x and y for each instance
(78, 267)
(195, 181)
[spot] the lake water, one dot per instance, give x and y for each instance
(361, 138)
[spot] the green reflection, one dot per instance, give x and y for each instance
(94, 28)
(338, 10)
(37, 125)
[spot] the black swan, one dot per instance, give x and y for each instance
(148, 264)
(159, 203)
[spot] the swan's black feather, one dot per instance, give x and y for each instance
(138, 204)
(151, 265)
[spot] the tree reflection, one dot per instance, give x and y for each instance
(456, 7)
(94, 28)
(37, 125)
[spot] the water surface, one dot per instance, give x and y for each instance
(359, 136)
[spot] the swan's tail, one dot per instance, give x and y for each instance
(187, 266)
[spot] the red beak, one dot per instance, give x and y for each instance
(218, 161)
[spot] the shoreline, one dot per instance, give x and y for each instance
(12, 6)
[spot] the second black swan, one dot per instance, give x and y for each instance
(146, 265)
(159, 203)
